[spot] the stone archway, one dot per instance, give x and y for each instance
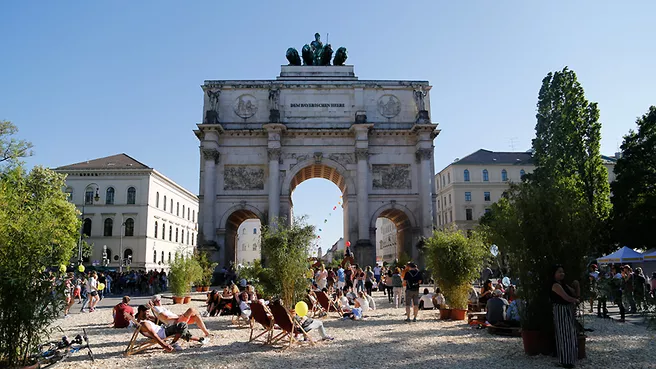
(231, 220)
(408, 233)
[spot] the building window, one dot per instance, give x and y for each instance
(182, 236)
(155, 229)
(69, 194)
(164, 202)
(450, 216)
(486, 196)
(469, 233)
(163, 230)
(449, 199)
(109, 196)
(188, 213)
(504, 175)
(486, 176)
(469, 214)
(193, 215)
(444, 201)
(177, 209)
(192, 239)
(243, 231)
(169, 257)
(439, 220)
(438, 204)
(183, 210)
(488, 210)
(170, 233)
(154, 256)
(254, 230)
(127, 254)
(522, 173)
(109, 224)
(88, 196)
(188, 237)
(86, 227)
(132, 196)
(157, 200)
(129, 227)
(466, 175)
(443, 181)
(162, 259)
(176, 234)
(255, 247)
(448, 176)
(467, 196)
(171, 206)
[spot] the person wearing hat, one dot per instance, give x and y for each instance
(191, 316)
(496, 308)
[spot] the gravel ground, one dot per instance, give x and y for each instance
(384, 340)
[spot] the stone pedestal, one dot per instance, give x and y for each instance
(318, 72)
(365, 253)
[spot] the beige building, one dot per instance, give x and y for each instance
(386, 240)
(249, 238)
(131, 213)
(468, 187)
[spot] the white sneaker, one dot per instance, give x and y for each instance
(204, 341)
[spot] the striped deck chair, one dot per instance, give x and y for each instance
(315, 308)
(261, 314)
(134, 347)
(290, 327)
(327, 303)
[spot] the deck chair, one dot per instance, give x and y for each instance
(261, 314)
(314, 307)
(237, 319)
(327, 303)
(290, 327)
(134, 347)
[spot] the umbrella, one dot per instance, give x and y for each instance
(623, 255)
(650, 257)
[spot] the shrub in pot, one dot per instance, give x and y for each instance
(204, 278)
(455, 261)
(182, 272)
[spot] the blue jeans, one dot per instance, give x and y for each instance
(359, 286)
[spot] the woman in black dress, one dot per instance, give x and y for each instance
(563, 300)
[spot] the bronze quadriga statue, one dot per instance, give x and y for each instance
(315, 53)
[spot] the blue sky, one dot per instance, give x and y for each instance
(85, 79)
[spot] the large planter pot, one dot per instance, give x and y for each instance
(206, 288)
(532, 342)
(581, 339)
(445, 314)
(199, 289)
(178, 299)
(458, 314)
(187, 299)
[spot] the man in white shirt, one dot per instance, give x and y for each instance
(426, 301)
(377, 273)
(191, 316)
(159, 333)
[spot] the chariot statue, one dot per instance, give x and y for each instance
(316, 53)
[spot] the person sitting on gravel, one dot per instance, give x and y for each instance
(496, 308)
(426, 301)
(191, 316)
(160, 333)
(122, 313)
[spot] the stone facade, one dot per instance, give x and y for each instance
(249, 242)
(261, 138)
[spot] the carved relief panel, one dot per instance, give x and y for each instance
(243, 177)
(391, 176)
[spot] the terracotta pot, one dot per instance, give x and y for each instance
(199, 289)
(458, 314)
(206, 289)
(178, 300)
(187, 299)
(445, 314)
(581, 339)
(532, 342)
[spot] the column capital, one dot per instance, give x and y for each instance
(273, 153)
(362, 154)
(424, 154)
(211, 154)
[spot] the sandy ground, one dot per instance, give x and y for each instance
(384, 340)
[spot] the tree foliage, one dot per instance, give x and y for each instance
(455, 261)
(206, 266)
(634, 189)
(11, 148)
(38, 229)
(286, 251)
(182, 273)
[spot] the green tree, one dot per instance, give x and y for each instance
(38, 229)
(634, 189)
(567, 142)
(11, 149)
(286, 251)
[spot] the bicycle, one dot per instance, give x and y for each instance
(55, 352)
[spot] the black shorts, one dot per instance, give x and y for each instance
(179, 328)
(93, 293)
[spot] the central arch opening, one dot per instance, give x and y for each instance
(243, 233)
(319, 192)
(393, 239)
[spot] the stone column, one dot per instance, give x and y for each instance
(424, 156)
(211, 156)
(274, 151)
(362, 155)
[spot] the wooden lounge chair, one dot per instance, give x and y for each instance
(327, 303)
(134, 347)
(290, 327)
(315, 309)
(261, 314)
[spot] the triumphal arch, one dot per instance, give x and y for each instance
(259, 139)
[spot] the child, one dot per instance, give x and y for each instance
(438, 299)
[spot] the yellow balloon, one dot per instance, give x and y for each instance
(301, 308)
(62, 268)
(81, 268)
(101, 286)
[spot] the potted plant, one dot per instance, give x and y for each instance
(182, 272)
(206, 271)
(445, 312)
(455, 260)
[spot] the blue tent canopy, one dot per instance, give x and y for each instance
(650, 257)
(623, 255)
